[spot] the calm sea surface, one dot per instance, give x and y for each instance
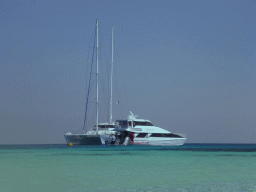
(192, 167)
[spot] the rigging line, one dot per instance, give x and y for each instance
(88, 94)
(89, 52)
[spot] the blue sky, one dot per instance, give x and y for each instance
(188, 66)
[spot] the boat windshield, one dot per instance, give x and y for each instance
(123, 123)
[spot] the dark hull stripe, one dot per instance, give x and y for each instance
(169, 135)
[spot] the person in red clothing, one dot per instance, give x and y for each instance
(131, 136)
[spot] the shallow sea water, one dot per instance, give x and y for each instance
(192, 167)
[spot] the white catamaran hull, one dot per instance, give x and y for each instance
(159, 142)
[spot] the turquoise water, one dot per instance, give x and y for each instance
(190, 167)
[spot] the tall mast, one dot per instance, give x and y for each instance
(97, 71)
(110, 108)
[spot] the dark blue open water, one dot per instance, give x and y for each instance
(191, 167)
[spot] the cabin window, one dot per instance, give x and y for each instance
(129, 123)
(171, 135)
(110, 126)
(103, 126)
(165, 135)
(141, 123)
(141, 135)
(156, 135)
(123, 123)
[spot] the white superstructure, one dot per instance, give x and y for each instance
(143, 132)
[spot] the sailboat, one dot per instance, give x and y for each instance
(98, 133)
